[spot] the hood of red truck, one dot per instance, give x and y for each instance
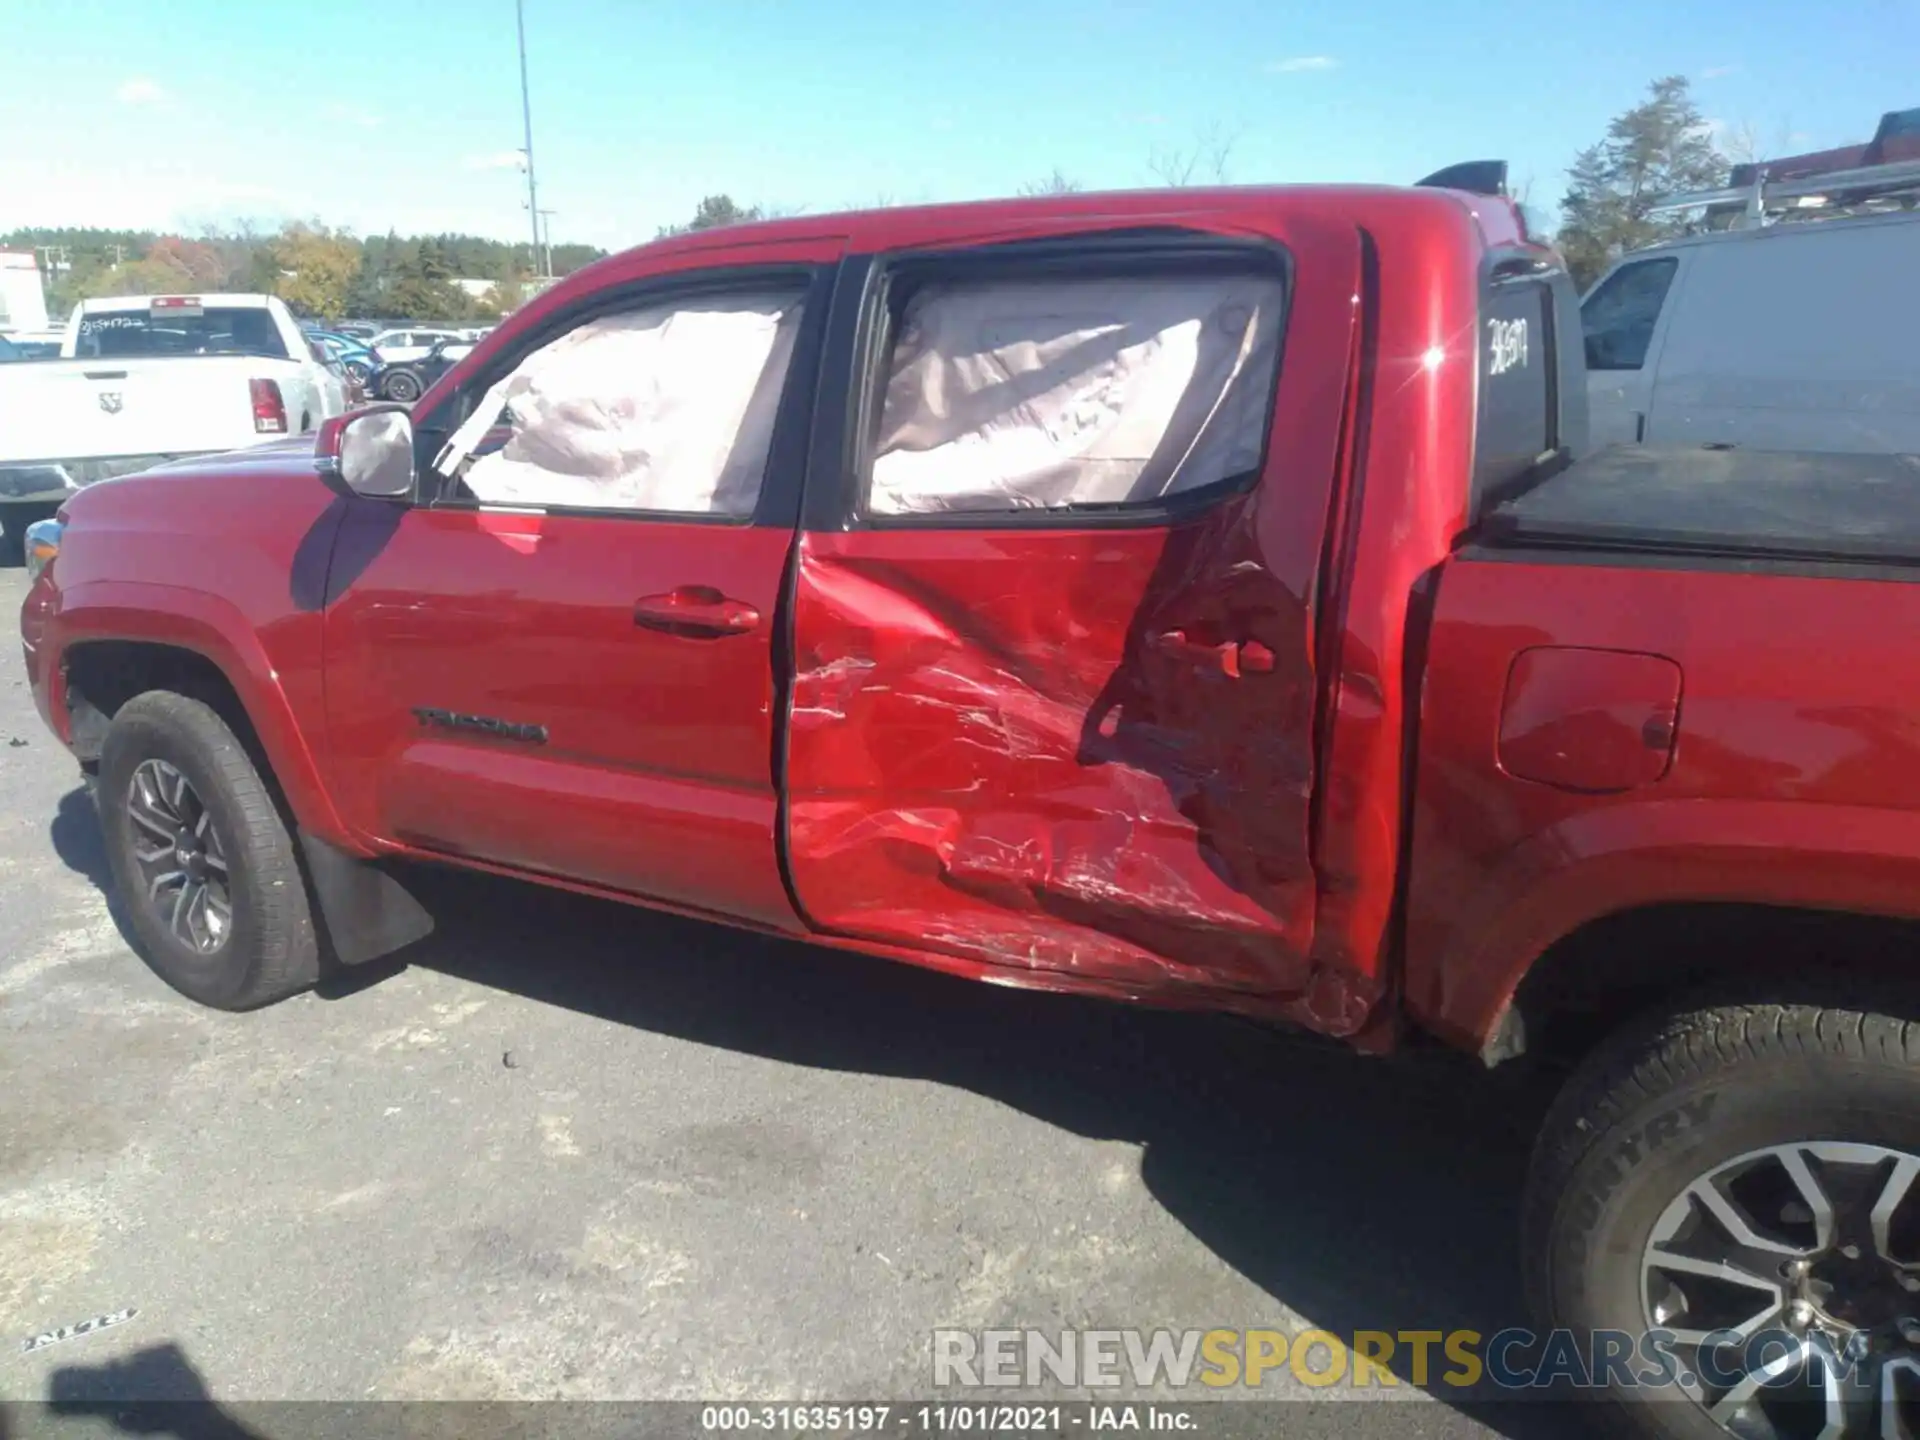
(295, 452)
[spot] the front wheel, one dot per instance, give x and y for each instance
(202, 861)
(1731, 1194)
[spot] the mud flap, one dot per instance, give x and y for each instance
(368, 914)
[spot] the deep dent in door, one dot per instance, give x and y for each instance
(1031, 782)
(1085, 760)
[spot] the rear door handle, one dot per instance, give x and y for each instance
(697, 612)
(1232, 658)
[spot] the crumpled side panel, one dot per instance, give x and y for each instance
(987, 756)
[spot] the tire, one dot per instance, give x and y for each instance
(403, 387)
(267, 949)
(1736, 1086)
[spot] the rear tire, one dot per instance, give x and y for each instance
(1740, 1101)
(403, 387)
(265, 948)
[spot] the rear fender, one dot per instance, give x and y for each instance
(1621, 857)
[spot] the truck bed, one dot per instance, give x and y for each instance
(1734, 505)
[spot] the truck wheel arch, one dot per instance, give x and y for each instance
(1632, 903)
(116, 636)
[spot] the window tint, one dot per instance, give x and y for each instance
(134, 334)
(1619, 317)
(669, 408)
(1043, 394)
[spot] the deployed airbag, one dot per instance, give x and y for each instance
(1040, 393)
(669, 408)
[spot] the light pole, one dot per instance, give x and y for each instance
(546, 231)
(526, 114)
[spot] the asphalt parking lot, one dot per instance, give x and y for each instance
(577, 1151)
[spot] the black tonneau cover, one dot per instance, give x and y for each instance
(1738, 503)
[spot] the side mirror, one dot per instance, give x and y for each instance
(369, 453)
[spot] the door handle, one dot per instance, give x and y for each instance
(1231, 658)
(697, 612)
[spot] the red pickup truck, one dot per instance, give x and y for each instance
(1194, 598)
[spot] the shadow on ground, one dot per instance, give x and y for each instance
(1367, 1194)
(155, 1391)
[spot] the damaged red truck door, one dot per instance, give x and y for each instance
(1058, 713)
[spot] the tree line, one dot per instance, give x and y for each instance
(1659, 147)
(321, 273)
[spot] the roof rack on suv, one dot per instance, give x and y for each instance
(1880, 176)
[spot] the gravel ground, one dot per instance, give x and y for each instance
(576, 1151)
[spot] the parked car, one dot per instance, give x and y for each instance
(396, 347)
(8, 351)
(1193, 599)
(1795, 335)
(354, 356)
(143, 379)
(406, 381)
(357, 330)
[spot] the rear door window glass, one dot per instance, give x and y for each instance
(137, 334)
(1029, 394)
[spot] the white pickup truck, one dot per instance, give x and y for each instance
(143, 379)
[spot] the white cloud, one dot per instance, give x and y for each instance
(140, 91)
(1718, 72)
(1299, 64)
(499, 160)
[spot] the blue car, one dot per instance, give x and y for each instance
(353, 356)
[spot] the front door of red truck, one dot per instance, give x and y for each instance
(1054, 695)
(560, 659)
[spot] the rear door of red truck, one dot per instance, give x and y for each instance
(1053, 702)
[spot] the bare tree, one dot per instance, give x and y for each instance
(1171, 166)
(1740, 143)
(1204, 161)
(1057, 183)
(1520, 192)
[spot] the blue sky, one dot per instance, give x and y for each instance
(406, 113)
